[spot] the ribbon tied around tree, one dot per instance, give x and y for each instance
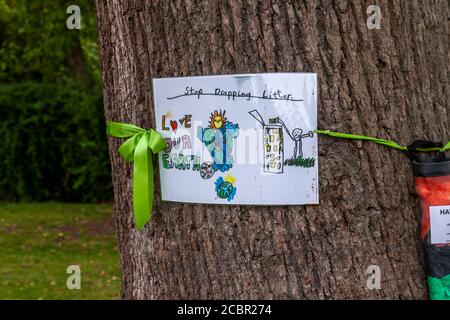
(137, 149)
(430, 147)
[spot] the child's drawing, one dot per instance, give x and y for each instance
(297, 136)
(274, 146)
(206, 170)
(218, 139)
(239, 139)
(225, 188)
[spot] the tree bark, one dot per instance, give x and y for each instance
(391, 83)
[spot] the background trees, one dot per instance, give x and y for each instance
(53, 147)
(51, 114)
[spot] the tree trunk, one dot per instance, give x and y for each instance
(391, 83)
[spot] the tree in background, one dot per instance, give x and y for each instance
(391, 83)
(36, 45)
(51, 114)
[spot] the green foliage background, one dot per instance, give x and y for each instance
(51, 115)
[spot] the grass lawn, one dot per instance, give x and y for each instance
(38, 241)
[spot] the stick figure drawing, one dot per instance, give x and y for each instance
(274, 145)
(296, 135)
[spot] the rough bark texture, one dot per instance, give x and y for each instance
(392, 83)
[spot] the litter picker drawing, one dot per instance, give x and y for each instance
(216, 151)
(274, 144)
(296, 136)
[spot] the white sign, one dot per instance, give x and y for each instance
(440, 224)
(238, 139)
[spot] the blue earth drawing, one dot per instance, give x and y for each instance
(225, 188)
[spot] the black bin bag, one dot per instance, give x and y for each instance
(432, 180)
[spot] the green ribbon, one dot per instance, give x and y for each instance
(446, 147)
(439, 288)
(137, 149)
(387, 143)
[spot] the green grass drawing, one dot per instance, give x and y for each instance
(300, 162)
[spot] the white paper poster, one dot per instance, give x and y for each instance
(440, 224)
(238, 139)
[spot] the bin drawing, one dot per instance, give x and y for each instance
(273, 145)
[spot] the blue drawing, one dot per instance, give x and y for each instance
(218, 139)
(225, 188)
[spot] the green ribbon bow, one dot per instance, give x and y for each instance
(137, 148)
(439, 289)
